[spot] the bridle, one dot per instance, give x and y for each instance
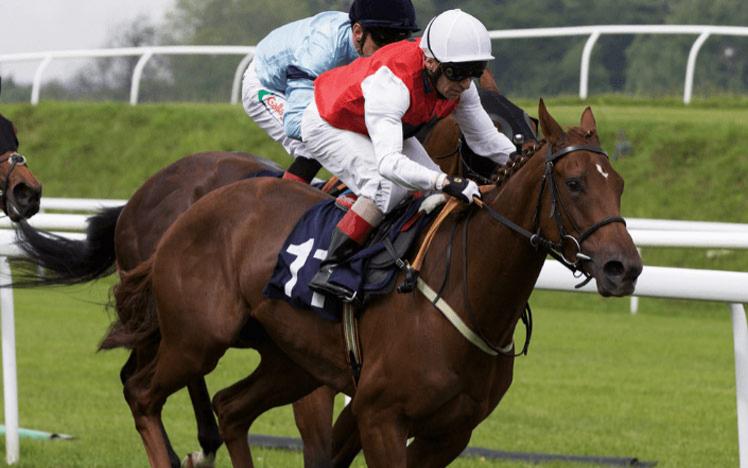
(13, 158)
(537, 239)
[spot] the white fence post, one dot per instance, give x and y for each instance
(36, 87)
(137, 73)
(584, 72)
(10, 386)
(740, 337)
(634, 304)
(691, 66)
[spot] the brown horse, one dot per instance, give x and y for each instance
(20, 192)
(129, 234)
(201, 292)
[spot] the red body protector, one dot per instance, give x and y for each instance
(340, 99)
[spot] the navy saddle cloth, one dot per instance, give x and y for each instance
(369, 272)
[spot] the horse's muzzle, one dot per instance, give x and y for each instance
(617, 275)
(23, 201)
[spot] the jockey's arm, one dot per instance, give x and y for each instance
(480, 133)
(386, 99)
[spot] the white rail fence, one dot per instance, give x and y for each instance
(659, 282)
(145, 54)
(702, 33)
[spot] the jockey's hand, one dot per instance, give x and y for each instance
(460, 188)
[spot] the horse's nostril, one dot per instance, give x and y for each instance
(614, 268)
(24, 194)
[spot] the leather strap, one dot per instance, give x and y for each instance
(352, 343)
(450, 314)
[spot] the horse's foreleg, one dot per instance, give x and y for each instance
(313, 415)
(346, 440)
(276, 381)
(439, 451)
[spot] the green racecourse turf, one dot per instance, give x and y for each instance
(658, 386)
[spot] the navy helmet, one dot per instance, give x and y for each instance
(397, 15)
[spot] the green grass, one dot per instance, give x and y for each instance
(658, 386)
(688, 162)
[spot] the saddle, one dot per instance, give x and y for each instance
(370, 272)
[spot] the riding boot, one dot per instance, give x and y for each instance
(302, 170)
(350, 234)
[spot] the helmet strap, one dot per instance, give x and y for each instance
(433, 77)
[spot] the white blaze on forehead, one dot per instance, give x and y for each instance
(601, 171)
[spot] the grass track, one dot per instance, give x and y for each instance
(658, 386)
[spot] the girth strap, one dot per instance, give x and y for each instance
(450, 314)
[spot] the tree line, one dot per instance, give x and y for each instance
(641, 65)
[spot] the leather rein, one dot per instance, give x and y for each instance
(536, 239)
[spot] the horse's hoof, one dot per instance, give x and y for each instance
(198, 460)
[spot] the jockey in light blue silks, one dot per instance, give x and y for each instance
(278, 84)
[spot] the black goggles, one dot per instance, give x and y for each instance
(382, 36)
(462, 70)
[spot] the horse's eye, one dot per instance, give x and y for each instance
(575, 185)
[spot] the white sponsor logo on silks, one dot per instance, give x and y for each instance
(274, 103)
(601, 171)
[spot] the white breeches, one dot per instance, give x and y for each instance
(350, 156)
(266, 107)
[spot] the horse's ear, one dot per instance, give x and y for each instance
(587, 121)
(552, 131)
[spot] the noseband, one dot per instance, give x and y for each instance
(14, 159)
(537, 240)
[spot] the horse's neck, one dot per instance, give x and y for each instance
(502, 266)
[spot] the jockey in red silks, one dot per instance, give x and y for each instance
(278, 84)
(364, 116)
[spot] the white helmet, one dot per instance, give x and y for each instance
(455, 36)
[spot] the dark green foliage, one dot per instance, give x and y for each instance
(531, 67)
(640, 65)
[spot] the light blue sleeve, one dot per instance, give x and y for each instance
(317, 53)
(299, 94)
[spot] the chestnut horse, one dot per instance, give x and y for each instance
(201, 292)
(20, 192)
(129, 234)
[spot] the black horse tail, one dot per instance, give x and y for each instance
(137, 321)
(66, 261)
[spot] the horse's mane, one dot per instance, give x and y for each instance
(505, 172)
(512, 167)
